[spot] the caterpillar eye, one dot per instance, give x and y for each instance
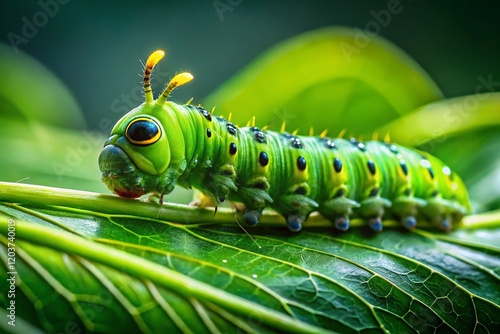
(142, 131)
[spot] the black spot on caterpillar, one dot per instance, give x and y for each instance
(161, 144)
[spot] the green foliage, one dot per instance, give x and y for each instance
(37, 129)
(100, 263)
(81, 252)
(31, 92)
(323, 80)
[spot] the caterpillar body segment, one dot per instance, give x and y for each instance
(160, 144)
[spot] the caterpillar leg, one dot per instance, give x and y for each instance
(375, 224)
(218, 184)
(443, 213)
(342, 223)
(373, 209)
(406, 208)
(156, 198)
(295, 208)
(221, 183)
(255, 197)
(409, 222)
(252, 217)
(294, 222)
(338, 210)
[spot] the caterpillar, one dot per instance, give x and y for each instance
(161, 144)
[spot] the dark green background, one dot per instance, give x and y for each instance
(95, 47)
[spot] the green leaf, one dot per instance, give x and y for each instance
(39, 118)
(32, 93)
(450, 117)
(81, 259)
(45, 154)
(327, 72)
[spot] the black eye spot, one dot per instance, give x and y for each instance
(232, 148)
(407, 192)
(296, 142)
(205, 113)
(337, 165)
(142, 132)
(374, 192)
(427, 164)
(209, 133)
(231, 129)
(358, 144)
(371, 166)
(404, 167)
(301, 163)
(392, 148)
(259, 185)
(339, 193)
(263, 159)
(329, 143)
(300, 191)
(260, 137)
(431, 172)
(227, 172)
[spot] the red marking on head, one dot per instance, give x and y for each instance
(129, 194)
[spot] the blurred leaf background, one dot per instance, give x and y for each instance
(69, 71)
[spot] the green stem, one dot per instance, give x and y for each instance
(482, 220)
(40, 196)
(140, 267)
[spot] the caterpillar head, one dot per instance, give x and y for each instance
(139, 150)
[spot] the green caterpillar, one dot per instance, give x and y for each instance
(160, 144)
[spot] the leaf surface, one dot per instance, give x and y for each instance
(139, 272)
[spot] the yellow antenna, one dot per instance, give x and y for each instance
(387, 137)
(283, 126)
(311, 131)
(189, 101)
(229, 117)
(212, 111)
(178, 80)
(153, 59)
(375, 135)
(323, 134)
(342, 133)
(253, 120)
(295, 132)
(265, 127)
